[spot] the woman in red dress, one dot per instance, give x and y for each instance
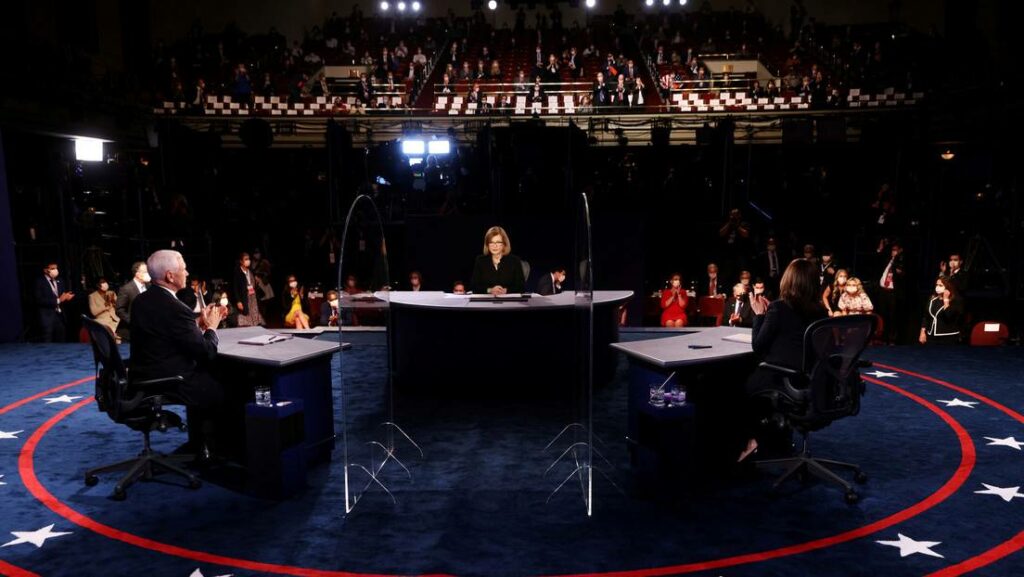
(673, 303)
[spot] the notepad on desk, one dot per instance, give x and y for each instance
(260, 340)
(746, 338)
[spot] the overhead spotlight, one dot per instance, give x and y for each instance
(591, 3)
(88, 149)
(682, 2)
(492, 4)
(649, 3)
(416, 6)
(384, 6)
(666, 2)
(948, 154)
(401, 6)
(414, 147)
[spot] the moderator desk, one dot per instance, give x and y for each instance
(674, 445)
(294, 369)
(449, 342)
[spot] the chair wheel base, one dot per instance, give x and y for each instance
(860, 478)
(119, 494)
(91, 480)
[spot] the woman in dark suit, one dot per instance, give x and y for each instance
(778, 335)
(497, 271)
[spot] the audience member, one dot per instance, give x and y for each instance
(244, 291)
(459, 288)
(954, 272)
(295, 299)
(673, 303)
(551, 283)
(854, 301)
(50, 295)
(738, 308)
(890, 290)
(415, 281)
(103, 306)
(330, 310)
(830, 297)
(713, 287)
(940, 323)
(127, 294)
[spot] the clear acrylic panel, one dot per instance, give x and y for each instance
(572, 447)
(370, 434)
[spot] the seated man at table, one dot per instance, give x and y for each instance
(551, 283)
(329, 311)
(167, 339)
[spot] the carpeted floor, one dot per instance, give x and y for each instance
(478, 502)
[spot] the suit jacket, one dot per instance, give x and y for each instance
(778, 338)
(959, 278)
(325, 314)
(763, 267)
(166, 340)
(746, 313)
(546, 285)
(240, 290)
(702, 289)
(509, 274)
(44, 297)
(126, 295)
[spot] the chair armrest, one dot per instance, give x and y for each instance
(160, 381)
(781, 369)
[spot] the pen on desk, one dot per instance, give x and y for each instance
(700, 346)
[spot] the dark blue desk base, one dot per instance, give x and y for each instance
(680, 447)
(308, 381)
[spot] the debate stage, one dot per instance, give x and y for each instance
(940, 434)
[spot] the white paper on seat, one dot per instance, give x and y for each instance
(991, 327)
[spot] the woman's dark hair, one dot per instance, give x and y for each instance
(954, 291)
(799, 287)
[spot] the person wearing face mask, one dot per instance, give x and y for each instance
(330, 310)
(830, 298)
(940, 323)
(759, 289)
(826, 269)
(854, 301)
(50, 297)
(103, 307)
(127, 294)
(737, 307)
(712, 286)
(673, 303)
(295, 296)
(244, 292)
(954, 272)
(551, 283)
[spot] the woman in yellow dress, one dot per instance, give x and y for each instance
(295, 317)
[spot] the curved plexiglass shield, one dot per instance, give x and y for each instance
(373, 443)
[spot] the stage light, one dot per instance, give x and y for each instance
(88, 149)
(682, 2)
(416, 6)
(492, 4)
(401, 6)
(591, 3)
(413, 147)
(384, 6)
(649, 3)
(439, 146)
(666, 2)
(948, 154)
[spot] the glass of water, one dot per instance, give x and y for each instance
(657, 396)
(263, 396)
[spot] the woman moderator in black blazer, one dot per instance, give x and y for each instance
(497, 271)
(778, 334)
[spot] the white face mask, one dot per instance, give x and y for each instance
(146, 278)
(224, 302)
(758, 291)
(851, 289)
(676, 283)
(54, 273)
(293, 284)
(334, 303)
(104, 287)
(841, 281)
(939, 289)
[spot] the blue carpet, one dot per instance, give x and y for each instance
(478, 502)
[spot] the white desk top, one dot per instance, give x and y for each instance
(440, 300)
(279, 354)
(672, 352)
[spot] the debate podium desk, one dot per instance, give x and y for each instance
(297, 369)
(446, 342)
(677, 445)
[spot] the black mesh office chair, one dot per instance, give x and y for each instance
(121, 399)
(828, 387)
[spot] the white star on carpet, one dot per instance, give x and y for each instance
(882, 374)
(908, 546)
(1007, 493)
(198, 573)
(958, 403)
(36, 538)
(61, 399)
(10, 434)
(1, 482)
(1007, 442)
